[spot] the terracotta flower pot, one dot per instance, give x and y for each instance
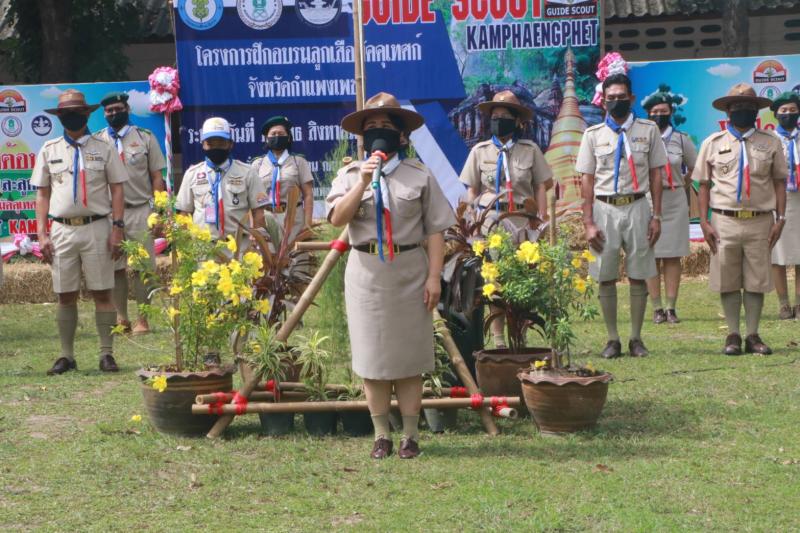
(563, 403)
(171, 411)
(497, 369)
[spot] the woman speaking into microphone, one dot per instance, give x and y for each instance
(396, 218)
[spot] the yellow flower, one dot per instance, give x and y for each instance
(183, 220)
(160, 199)
(231, 244)
(172, 312)
(262, 306)
(160, 383)
(489, 289)
(489, 271)
(528, 252)
(175, 289)
(565, 273)
(544, 266)
(245, 293)
(539, 364)
(211, 267)
(576, 262)
(589, 366)
(479, 247)
(580, 284)
(588, 256)
(210, 320)
(136, 418)
(199, 278)
(495, 241)
(253, 260)
(132, 261)
(255, 347)
(235, 267)
(152, 220)
(225, 286)
(202, 234)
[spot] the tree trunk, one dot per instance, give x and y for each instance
(735, 28)
(56, 35)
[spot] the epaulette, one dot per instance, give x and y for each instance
(645, 121)
(596, 126)
(415, 163)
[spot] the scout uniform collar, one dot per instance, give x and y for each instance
(275, 187)
(623, 145)
(78, 167)
(789, 139)
(118, 136)
(502, 169)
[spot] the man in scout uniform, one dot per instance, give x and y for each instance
(742, 175)
(139, 151)
(620, 160)
(80, 180)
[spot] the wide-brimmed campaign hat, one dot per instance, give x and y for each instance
(71, 100)
(508, 100)
(789, 97)
(741, 92)
(382, 103)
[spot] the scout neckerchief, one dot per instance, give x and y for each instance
(382, 210)
(78, 168)
(623, 146)
(275, 188)
(502, 168)
(219, 207)
(666, 136)
(790, 141)
(118, 136)
(744, 164)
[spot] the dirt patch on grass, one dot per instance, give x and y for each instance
(46, 427)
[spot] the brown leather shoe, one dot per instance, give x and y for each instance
(141, 327)
(381, 448)
(62, 365)
(107, 363)
(672, 317)
(409, 449)
(612, 350)
(733, 344)
(126, 326)
(786, 312)
(659, 316)
(637, 348)
(754, 344)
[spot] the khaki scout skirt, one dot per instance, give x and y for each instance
(787, 250)
(674, 240)
(391, 330)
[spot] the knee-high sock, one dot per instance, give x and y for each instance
(607, 294)
(67, 320)
(382, 427)
(411, 427)
(732, 307)
(638, 307)
(753, 304)
(105, 320)
(120, 293)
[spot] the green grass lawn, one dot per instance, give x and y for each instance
(689, 440)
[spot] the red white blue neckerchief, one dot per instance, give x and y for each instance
(78, 167)
(118, 136)
(623, 146)
(219, 207)
(666, 136)
(789, 139)
(275, 187)
(383, 214)
(502, 170)
(744, 163)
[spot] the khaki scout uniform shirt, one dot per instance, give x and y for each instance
(597, 152)
(526, 165)
(240, 190)
(718, 163)
(53, 169)
(294, 173)
(142, 155)
(680, 151)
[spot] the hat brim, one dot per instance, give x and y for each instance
(723, 103)
(58, 110)
(217, 134)
(776, 104)
(354, 122)
(522, 112)
(275, 122)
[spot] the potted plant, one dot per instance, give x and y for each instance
(315, 361)
(354, 423)
(267, 355)
(209, 298)
(442, 375)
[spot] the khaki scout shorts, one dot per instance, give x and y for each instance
(625, 228)
(85, 246)
(742, 260)
(136, 230)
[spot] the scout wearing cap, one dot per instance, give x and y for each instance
(674, 241)
(620, 161)
(139, 151)
(742, 175)
(391, 284)
(80, 181)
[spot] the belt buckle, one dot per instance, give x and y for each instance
(373, 248)
(76, 221)
(746, 214)
(623, 200)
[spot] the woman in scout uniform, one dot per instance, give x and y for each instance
(674, 241)
(507, 163)
(787, 250)
(392, 282)
(748, 172)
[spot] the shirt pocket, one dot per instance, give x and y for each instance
(366, 209)
(604, 157)
(237, 195)
(488, 174)
(95, 170)
(201, 193)
(290, 177)
(408, 202)
(641, 155)
(725, 165)
(761, 162)
(60, 175)
(136, 159)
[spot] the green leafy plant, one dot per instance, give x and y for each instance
(266, 353)
(442, 374)
(315, 363)
(353, 389)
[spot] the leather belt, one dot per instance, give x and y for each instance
(78, 221)
(280, 208)
(618, 200)
(739, 214)
(373, 249)
(133, 206)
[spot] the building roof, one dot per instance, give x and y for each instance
(645, 8)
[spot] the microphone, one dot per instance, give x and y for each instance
(379, 147)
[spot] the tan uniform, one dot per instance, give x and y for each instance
(141, 155)
(86, 245)
(674, 240)
(743, 253)
(295, 172)
(626, 226)
(787, 250)
(391, 330)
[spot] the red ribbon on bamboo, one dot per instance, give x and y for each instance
(458, 392)
(240, 402)
(340, 246)
(477, 401)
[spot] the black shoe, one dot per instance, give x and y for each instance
(62, 365)
(754, 344)
(108, 364)
(672, 317)
(659, 316)
(637, 348)
(612, 350)
(733, 344)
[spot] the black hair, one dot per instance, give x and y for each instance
(617, 79)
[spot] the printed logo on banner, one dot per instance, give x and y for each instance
(769, 71)
(41, 125)
(259, 14)
(318, 12)
(11, 101)
(770, 91)
(200, 14)
(11, 126)
(570, 8)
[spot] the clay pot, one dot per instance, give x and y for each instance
(564, 403)
(497, 369)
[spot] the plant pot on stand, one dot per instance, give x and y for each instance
(497, 369)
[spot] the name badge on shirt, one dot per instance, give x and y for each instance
(211, 212)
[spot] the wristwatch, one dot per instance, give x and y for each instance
(118, 223)
(780, 218)
(656, 217)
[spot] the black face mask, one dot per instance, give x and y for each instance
(502, 127)
(217, 155)
(389, 140)
(281, 142)
(788, 121)
(744, 118)
(117, 120)
(618, 108)
(662, 121)
(73, 121)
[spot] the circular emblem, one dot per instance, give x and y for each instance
(200, 14)
(318, 12)
(259, 14)
(41, 125)
(770, 91)
(11, 126)
(235, 199)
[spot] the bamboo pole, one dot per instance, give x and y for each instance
(553, 235)
(463, 373)
(312, 246)
(286, 329)
(260, 396)
(358, 56)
